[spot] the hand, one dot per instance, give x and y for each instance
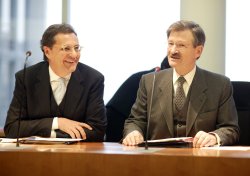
(203, 139)
(133, 138)
(73, 128)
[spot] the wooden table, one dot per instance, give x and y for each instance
(114, 159)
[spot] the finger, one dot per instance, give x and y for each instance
(205, 141)
(197, 138)
(86, 126)
(76, 132)
(127, 141)
(194, 142)
(72, 135)
(133, 140)
(82, 132)
(124, 142)
(141, 139)
(137, 139)
(212, 141)
(200, 141)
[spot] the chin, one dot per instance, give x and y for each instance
(173, 64)
(72, 69)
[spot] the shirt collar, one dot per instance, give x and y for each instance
(54, 77)
(189, 77)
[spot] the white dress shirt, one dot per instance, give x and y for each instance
(53, 80)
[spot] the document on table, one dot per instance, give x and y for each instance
(169, 141)
(40, 140)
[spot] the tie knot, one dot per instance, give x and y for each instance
(61, 80)
(59, 90)
(181, 80)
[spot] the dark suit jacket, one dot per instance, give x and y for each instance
(211, 107)
(83, 102)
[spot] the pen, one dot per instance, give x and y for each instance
(70, 142)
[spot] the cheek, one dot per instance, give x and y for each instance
(57, 61)
(78, 58)
(168, 51)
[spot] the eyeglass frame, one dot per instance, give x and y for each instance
(68, 49)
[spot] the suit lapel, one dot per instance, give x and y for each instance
(73, 94)
(42, 82)
(197, 98)
(74, 91)
(165, 98)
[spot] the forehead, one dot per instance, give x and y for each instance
(66, 39)
(181, 36)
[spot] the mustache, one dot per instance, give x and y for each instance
(175, 56)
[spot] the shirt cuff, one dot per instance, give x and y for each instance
(55, 123)
(54, 127)
(53, 134)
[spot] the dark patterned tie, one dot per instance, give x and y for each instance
(180, 95)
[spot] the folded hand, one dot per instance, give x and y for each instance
(73, 128)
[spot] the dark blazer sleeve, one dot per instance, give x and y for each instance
(212, 107)
(137, 118)
(18, 107)
(95, 111)
(227, 119)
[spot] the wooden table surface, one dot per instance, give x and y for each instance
(118, 160)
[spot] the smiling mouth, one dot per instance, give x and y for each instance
(71, 62)
(175, 57)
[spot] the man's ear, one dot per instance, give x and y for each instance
(46, 51)
(199, 50)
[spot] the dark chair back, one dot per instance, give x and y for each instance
(241, 94)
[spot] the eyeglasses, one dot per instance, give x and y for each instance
(69, 49)
(177, 45)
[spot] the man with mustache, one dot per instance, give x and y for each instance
(187, 101)
(59, 97)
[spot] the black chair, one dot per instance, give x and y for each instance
(241, 94)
